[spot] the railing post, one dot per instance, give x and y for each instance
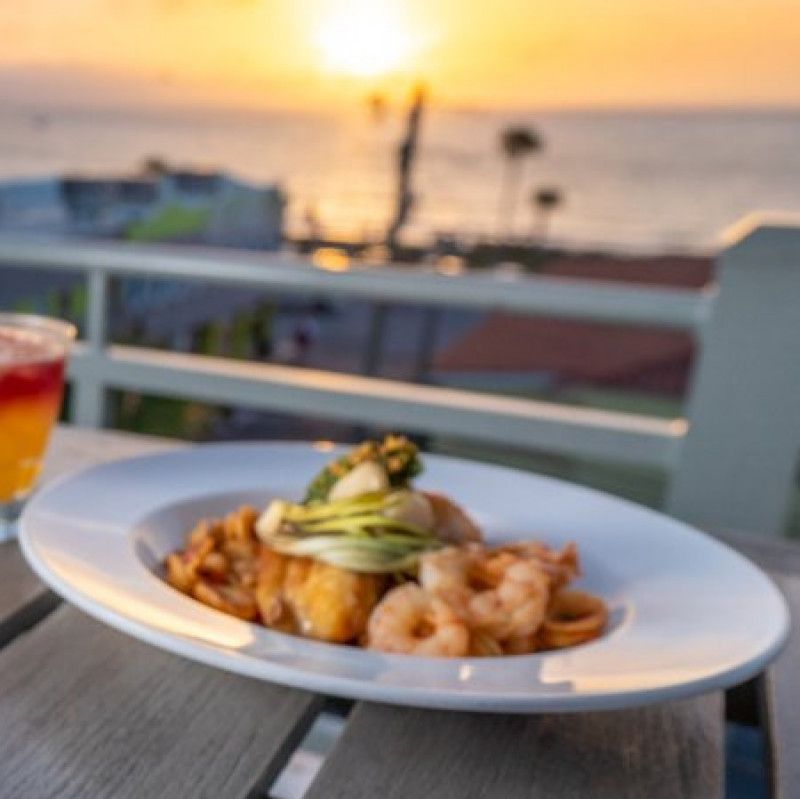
(376, 336)
(90, 390)
(737, 465)
(431, 318)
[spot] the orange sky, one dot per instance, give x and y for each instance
(472, 52)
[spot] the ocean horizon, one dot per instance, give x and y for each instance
(641, 180)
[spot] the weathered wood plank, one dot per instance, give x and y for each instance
(23, 598)
(89, 712)
(780, 687)
(666, 750)
(772, 554)
(74, 448)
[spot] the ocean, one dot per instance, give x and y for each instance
(630, 181)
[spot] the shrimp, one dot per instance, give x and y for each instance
(515, 601)
(498, 593)
(412, 621)
(446, 572)
(561, 566)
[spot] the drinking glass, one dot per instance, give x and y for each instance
(33, 352)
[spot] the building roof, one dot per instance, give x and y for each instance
(588, 352)
(679, 271)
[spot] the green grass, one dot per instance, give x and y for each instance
(52, 304)
(173, 222)
(622, 401)
(26, 306)
(239, 336)
(77, 303)
(161, 416)
(211, 339)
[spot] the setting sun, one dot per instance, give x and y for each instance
(364, 38)
(322, 53)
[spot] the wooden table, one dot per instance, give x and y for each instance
(87, 712)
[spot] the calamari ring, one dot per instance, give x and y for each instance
(573, 617)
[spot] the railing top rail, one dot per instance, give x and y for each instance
(532, 294)
(368, 400)
(760, 226)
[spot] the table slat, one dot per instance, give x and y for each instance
(89, 712)
(23, 598)
(666, 750)
(74, 448)
(781, 697)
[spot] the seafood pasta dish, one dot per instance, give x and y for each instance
(366, 559)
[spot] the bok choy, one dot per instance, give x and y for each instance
(379, 532)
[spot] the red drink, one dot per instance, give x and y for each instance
(32, 355)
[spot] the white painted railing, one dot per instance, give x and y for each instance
(578, 299)
(734, 468)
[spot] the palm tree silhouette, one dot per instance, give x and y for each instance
(544, 201)
(516, 143)
(406, 155)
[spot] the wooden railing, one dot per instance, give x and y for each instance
(733, 460)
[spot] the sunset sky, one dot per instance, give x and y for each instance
(472, 52)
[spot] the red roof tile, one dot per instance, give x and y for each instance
(664, 270)
(587, 352)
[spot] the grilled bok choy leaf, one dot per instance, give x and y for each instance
(377, 532)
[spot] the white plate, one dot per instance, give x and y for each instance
(688, 614)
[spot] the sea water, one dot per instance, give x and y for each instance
(654, 180)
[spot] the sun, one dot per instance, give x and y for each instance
(365, 38)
